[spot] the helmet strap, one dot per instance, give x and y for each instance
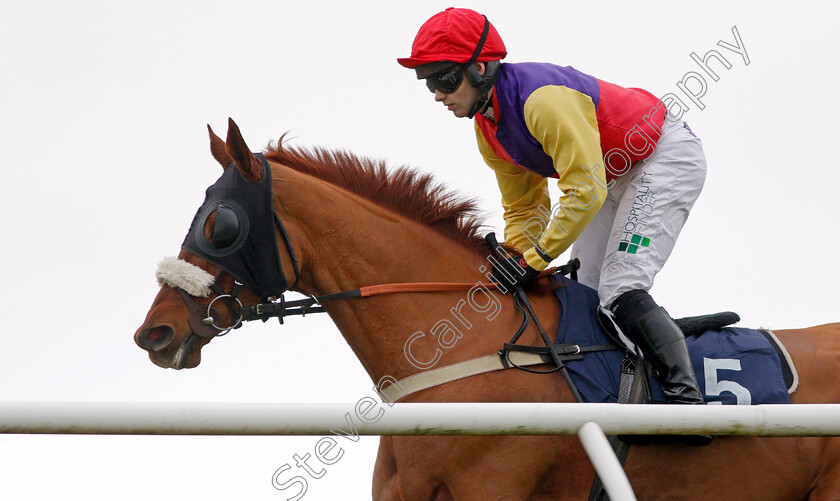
(472, 73)
(480, 45)
(481, 103)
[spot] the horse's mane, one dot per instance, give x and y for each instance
(403, 190)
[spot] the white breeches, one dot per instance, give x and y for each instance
(630, 238)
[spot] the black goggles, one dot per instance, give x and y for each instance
(446, 81)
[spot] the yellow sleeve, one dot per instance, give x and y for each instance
(524, 195)
(563, 120)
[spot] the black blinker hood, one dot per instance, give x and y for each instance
(244, 243)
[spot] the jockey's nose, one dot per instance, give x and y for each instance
(154, 338)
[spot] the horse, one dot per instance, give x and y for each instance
(345, 222)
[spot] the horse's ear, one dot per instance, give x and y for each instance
(217, 149)
(245, 161)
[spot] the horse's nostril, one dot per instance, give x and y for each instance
(154, 335)
(156, 338)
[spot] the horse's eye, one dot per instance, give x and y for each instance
(226, 229)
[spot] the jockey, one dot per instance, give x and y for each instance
(629, 173)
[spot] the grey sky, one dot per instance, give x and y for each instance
(106, 158)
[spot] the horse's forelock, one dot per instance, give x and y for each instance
(180, 274)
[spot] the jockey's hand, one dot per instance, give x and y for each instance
(515, 272)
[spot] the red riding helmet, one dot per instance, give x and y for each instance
(453, 35)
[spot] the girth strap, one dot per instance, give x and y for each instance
(435, 377)
(521, 356)
(633, 389)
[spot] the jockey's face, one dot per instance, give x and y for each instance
(461, 101)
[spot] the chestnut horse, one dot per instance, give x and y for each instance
(350, 223)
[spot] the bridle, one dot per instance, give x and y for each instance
(204, 319)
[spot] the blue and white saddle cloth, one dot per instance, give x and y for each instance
(733, 366)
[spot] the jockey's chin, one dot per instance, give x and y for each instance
(461, 101)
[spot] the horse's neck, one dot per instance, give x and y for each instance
(345, 242)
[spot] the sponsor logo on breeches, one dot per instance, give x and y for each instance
(633, 237)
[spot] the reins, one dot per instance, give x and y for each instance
(282, 308)
(203, 318)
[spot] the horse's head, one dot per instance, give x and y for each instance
(229, 259)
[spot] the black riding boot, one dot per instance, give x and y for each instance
(662, 342)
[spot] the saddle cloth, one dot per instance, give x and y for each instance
(733, 366)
